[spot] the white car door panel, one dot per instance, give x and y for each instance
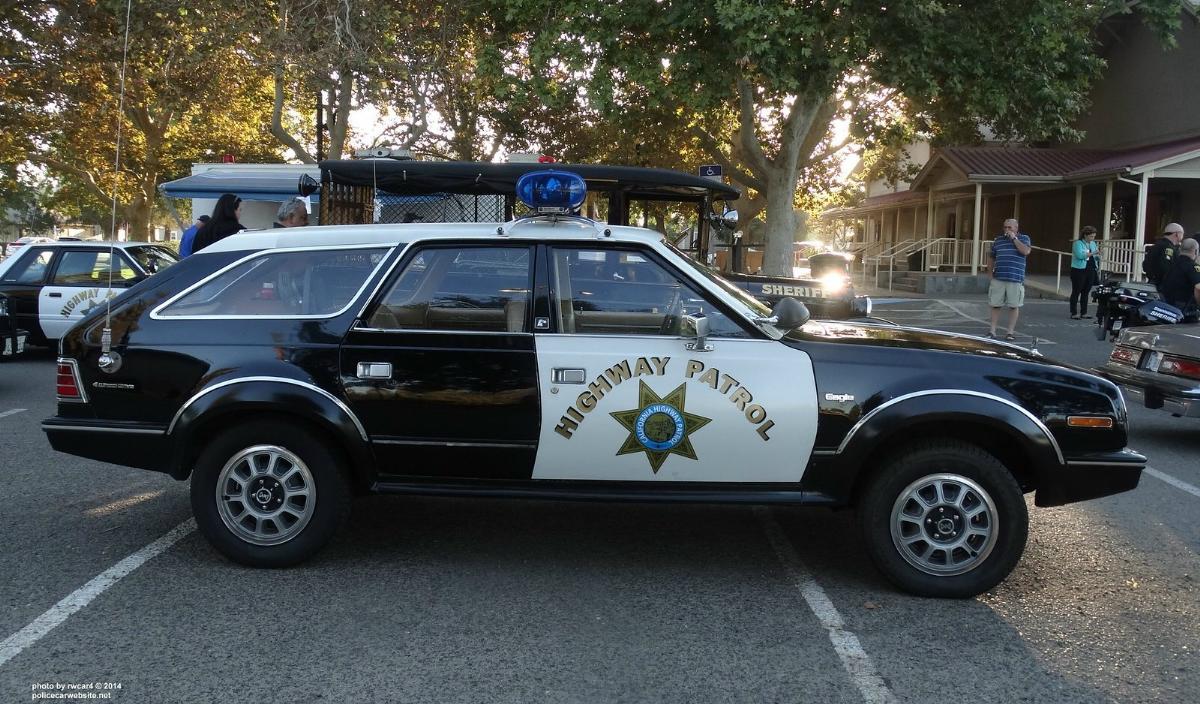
(644, 408)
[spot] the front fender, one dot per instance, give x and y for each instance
(248, 396)
(936, 413)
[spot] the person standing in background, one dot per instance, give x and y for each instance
(187, 240)
(223, 223)
(1158, 258)
(293, 213)
(1007, 288)
(1085, 271)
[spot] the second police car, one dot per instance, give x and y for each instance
(557, 357)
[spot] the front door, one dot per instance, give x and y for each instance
(442, 371)
(82, 279)
(624, 399)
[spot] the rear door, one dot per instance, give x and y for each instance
(82, 279)
(441, 369)
(625, 399)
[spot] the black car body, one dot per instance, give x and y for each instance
(52, 285)
(563, 358)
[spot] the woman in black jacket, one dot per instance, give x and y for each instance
(223, 223)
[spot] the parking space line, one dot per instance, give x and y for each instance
(12, 646)
(854, 659)
(1177, 483)
(13, 412)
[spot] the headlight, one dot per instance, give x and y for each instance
(833, 283)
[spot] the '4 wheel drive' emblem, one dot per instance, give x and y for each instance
(659, 426)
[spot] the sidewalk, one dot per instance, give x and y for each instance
(1036, 286)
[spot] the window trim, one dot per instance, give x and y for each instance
(411, 251)
(387, 250)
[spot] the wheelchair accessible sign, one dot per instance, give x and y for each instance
(712, 171)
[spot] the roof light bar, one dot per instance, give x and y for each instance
(552, 192)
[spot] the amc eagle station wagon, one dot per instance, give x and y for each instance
(284, 371)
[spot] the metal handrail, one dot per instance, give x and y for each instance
(902, 249)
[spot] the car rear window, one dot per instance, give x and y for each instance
(281, 283)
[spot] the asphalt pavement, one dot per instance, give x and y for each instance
(457, 600)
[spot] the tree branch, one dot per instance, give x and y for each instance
(277, 123)
(756, 160)
(87, 178)
(713, 149)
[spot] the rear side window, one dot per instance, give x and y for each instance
(480, 289)
(32, 269)
(282, 284)
(92, 268)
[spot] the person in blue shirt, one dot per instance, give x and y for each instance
(1085, 270)
(188, 239)
(1007, 289)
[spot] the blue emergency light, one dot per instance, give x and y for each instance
(556, 192)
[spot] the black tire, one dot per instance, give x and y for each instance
(305, 466)
(946, 484)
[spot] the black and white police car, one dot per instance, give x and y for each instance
(12, 338)
(52, 285)
(556, 357)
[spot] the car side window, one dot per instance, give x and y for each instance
(93, 268)
(282, 284)
(626, 292)
(32, 270)
(478, 289)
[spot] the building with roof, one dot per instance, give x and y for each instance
(1136, 169)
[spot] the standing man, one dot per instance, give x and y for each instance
(1159, 257)
(1007, 289)
(293, 213)
(188, 239)
(1181, 283)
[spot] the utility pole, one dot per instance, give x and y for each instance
(320, 126)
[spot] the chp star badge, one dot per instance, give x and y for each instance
(659, 426)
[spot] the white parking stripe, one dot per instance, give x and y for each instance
(854, 659)
(76, 600)
(13, 412)
(1177, 483)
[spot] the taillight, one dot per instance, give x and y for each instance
(67, 384)
(1125, 355)
(1179, 366)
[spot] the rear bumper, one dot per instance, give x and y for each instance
(140, 445)
(1090, 477)
(1151, 390)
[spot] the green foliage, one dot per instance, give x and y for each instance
(191, 93)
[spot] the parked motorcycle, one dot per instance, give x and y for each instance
(1124, 304)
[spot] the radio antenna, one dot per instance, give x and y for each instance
(111, 361)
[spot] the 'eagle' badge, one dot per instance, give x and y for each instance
(659, 426)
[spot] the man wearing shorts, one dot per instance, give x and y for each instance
(1007, 289)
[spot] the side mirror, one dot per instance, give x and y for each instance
(789, 314)
(696, 326)
(729, 219)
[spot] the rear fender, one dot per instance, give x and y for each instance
(231, 400)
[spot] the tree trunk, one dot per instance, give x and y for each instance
(781, 221)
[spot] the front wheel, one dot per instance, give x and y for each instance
(269, 494)
(944, 519)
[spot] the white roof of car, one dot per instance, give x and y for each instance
(351, 235)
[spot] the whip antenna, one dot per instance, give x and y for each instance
(111, 361)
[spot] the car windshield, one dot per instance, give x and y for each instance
(754, 307)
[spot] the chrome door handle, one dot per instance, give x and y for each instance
(561, 375)
(374, 370)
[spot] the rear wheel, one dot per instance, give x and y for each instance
(269, 494)
(944, 519)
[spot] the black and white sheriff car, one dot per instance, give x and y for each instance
(284, 371)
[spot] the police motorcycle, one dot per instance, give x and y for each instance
(389, 189)
(1127, 304)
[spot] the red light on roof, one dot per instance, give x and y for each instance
(546, 159)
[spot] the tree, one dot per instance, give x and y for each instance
(191, 93)
(785, 72)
